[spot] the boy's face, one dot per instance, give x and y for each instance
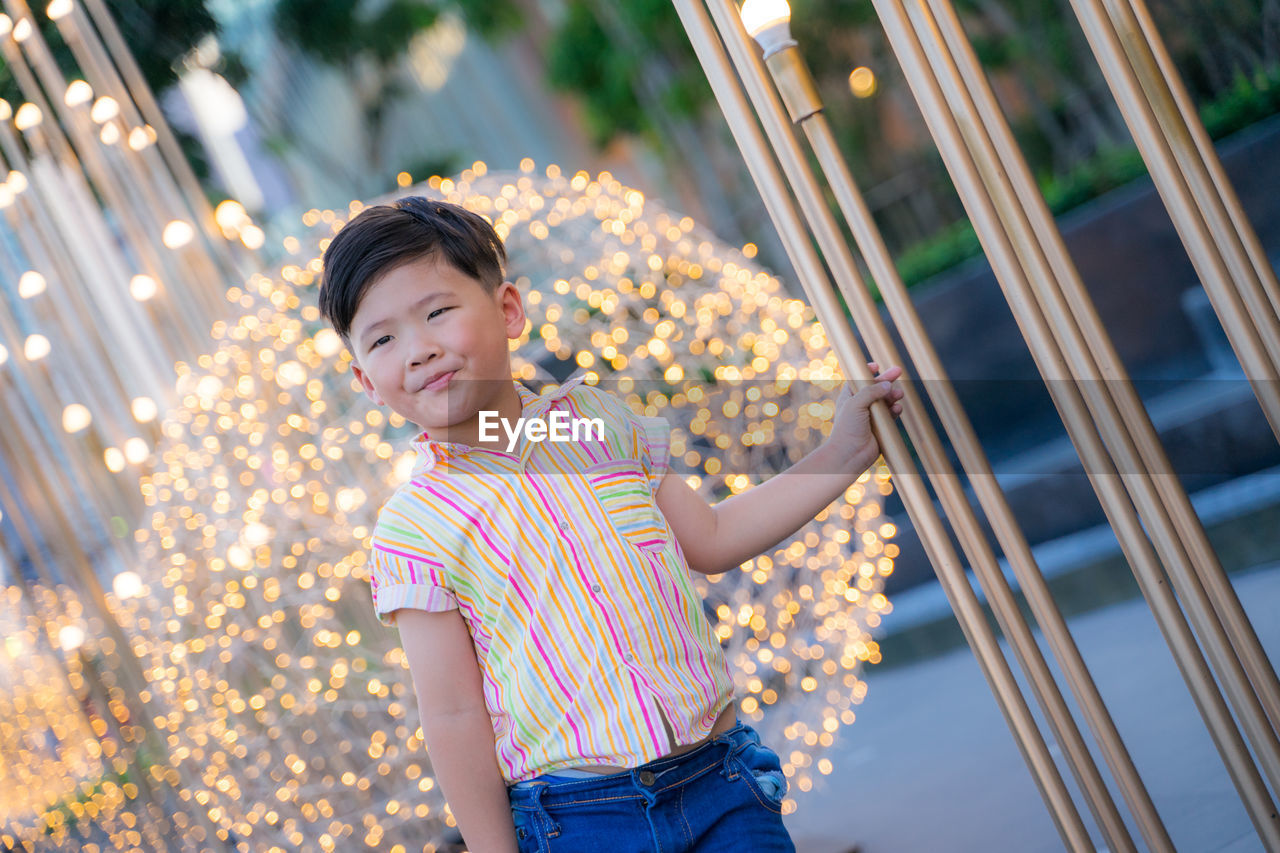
(431, 343)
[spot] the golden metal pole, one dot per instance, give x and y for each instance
(976, 465)
(804, 107)
(1255, 355)
(1176, 116)
(136, 85)
(1049, 360)
(933, 535)
(1209, 156)
(1109, 371)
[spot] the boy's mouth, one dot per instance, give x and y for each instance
(439, 381)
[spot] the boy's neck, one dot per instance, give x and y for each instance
(509, 407)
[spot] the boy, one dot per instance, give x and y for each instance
(572, 693)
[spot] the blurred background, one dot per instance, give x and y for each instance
(291, 114)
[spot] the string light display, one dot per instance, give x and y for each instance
(190, 659)
(286, 706)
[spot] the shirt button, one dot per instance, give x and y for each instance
(595, 587)
(565, 526)
(647, 777)
(628, 657)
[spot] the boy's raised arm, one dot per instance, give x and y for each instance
(717, 538)
(457, 726)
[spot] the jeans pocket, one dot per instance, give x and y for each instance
(762, 771)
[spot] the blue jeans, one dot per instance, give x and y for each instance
(726, 795)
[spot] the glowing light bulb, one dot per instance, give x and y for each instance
(30, 284)
(104, 109)
(6, 111)
(127, 584)
(17, 182)
(4, 354)
(136, 451)
(71, 637)
(253, 237)
(255, 535)
(139, 138)
(114, 459)
(22, 30)
(76, 417)
(6, 25)
(28, 116)
(328, 344)
(144, 409)
(78, 92)
(110, 134)
(177, 234)
(769, 23)
(58, 9)
(143, 287)
(36, 347)
(862, 82)
(230, 215)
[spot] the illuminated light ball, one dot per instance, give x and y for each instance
(127, 584)
(136, 451)
(327, 343)
(78, 92)
(253, 237)
(6, 25)
(28, 116)
(862, 82)
(144, 409)
(110, 134)
(143, 287)
(139, 138)
(230, 216)
(404, 179)
(30, 284)
(58, 9)
(70, 637)
(17, 182)
(22, 30)
(178, 233)
(104, 109)
(255, 535)
(114, 459)
(4, 354)
(291, 374)
(76, 417)
(36, 347)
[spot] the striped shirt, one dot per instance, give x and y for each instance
(586, 624)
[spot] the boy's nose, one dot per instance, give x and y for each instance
(421, 350)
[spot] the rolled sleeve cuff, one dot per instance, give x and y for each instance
(433, 599)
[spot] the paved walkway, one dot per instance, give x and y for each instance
(930, 765)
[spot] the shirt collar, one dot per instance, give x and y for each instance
(430, 452)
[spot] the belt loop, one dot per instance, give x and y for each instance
(541, 816)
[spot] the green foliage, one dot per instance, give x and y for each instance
(337, 32)
(581, 59)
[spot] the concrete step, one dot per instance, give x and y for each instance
(1086, 570)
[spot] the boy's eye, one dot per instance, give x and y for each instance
(379, 342)
(436, 313)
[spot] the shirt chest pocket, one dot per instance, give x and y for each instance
(624, 495)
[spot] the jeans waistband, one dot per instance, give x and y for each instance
(653, 776)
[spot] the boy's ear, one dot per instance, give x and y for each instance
(369, 390)
(512, 306)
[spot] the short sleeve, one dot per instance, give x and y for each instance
(405, 570)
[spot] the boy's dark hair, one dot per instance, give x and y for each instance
(386, 236)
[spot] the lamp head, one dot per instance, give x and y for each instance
(769, 23)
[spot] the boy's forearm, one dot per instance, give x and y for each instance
(462, 757)
(758, 519)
